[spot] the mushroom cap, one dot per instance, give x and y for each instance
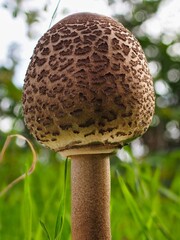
(87, 88)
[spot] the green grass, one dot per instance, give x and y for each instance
(27, 210)
(145, 202)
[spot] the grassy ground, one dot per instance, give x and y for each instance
(145, 202)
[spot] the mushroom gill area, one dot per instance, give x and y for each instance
(87, 84)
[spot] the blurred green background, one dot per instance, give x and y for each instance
(145, 176)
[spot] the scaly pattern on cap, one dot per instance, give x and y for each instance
(87, 86)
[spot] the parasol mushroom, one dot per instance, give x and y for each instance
(88, 92)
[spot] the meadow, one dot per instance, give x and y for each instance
(145, 202)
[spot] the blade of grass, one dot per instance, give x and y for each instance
(45, 230)
(27, 209)
(61, 210)
(31, 169)
(1, 217)
(45, 211)
(130, 201)
(169, 194)
(134, 209)
(54, 13)
(165, 232)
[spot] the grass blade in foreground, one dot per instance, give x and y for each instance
(45, 230)
(27, 210)
(54, 13)
(45, 211)
(135, 211)
(61, 210)
(31, 169)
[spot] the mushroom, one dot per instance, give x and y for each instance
(88, 92)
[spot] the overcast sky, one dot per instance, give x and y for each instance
(13, 30)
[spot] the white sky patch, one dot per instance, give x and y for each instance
(6, 124)
(173, 130)
(97, 6)
(20, 142)
(123, 155)
(161, 87)
(138, 148)
(11, 30)
(166, 20)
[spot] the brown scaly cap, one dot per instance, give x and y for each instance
(87, 88)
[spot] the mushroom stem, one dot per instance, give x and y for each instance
(90, 183)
